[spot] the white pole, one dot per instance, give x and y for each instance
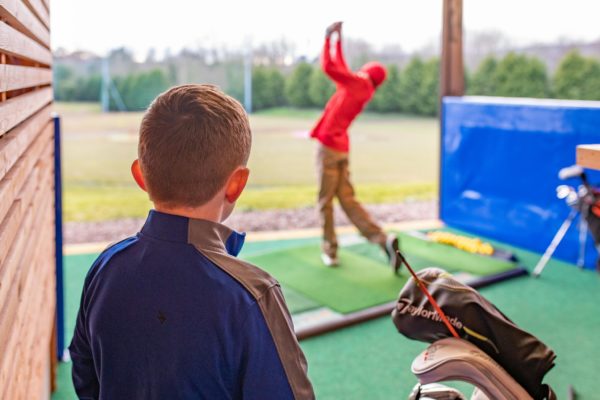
(104, 94)
(248, 78)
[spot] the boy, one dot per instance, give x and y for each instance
(171, 313)
(353, 92)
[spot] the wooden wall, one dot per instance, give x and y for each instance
(27, 265)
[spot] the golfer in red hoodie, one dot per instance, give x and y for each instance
(353, 92)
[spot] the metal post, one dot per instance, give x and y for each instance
(104, 93)
(248, 79)
(60, 315)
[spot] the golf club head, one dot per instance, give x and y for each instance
(574, 171)
(563, 191)
(572, 199)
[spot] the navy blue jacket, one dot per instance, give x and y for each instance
(172, 314)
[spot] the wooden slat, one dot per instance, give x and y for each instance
(18, 109)
(588, 156)
(23, 321)
(14, 180)
(13, 77)
(27, 328)
(18, 15)
(16, 142)
(15, 216)
(7, 345)
(35, 279)
(37, 343)
(46, 4)
(40, 10)
(11, 259)
(12, 223)
(452, 79)
(11, 318)
(18, 44)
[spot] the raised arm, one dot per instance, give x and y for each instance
(335, 66)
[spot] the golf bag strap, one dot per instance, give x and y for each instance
(452, 359)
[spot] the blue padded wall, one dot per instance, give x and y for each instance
(499, 168)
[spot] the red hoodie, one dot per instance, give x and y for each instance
(353, 91)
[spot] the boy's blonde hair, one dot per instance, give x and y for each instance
(192, 137)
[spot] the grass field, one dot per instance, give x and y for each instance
(393, 158)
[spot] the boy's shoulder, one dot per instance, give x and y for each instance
(255, 280)
(107, 254)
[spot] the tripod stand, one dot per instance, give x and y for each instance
(580, 201)
(560, 234)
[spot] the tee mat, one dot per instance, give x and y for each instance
(363, 279)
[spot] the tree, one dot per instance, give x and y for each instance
(429, 89)
(139, 89)
(483, 81)
(87, 89)
(296, 86)
(277, 86)
(521, 76)
(410, 86)
(260, 90)
(63, 82)
(388, 95)
(234, 76)
(320, 88)
(267, 88)
(577, 77)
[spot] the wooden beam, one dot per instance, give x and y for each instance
(2, 62)
(452, 79)
(20, 323)
(19, 16)
(39, 10)
(11, 185)
(588, 156)
(18, 44)
(17, 109)
(13, 77)
(16, 142)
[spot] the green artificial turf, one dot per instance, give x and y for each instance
(358, 282)
(372, 361)
(363, 278)
(450, 258)
(297, 302)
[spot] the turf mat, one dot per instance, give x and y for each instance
(450, 258)
(297, 302)
(358, 282)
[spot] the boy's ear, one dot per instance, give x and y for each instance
(236, 184)
(136, 171)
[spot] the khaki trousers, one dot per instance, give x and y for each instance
(334, 181)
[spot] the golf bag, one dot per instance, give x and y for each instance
(478, 322)
(592, 217)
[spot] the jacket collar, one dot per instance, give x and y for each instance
(199, 232)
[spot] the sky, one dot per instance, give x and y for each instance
(139, 25)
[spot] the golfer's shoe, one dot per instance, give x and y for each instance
(329, 261)
(391, 249)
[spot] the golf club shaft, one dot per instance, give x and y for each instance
(554, 244)
(429, 296)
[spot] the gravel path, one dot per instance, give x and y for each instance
(252, 221)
